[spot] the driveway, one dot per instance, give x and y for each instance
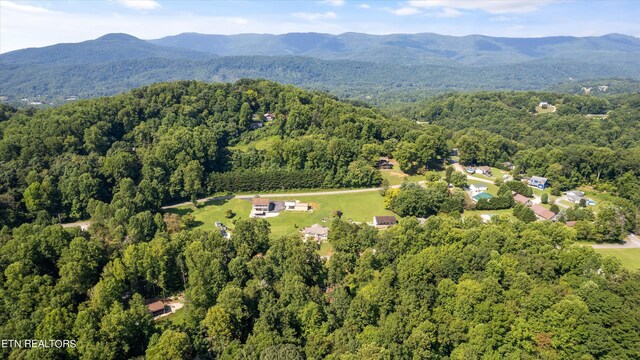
(631, 242)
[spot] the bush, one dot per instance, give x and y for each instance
(188, 221)
(524, 213)
(544, 198)
(517, 186)
(554, 208)
(556, 192)
(229, 214)
(495, 203)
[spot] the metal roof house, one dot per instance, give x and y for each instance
(539, 182)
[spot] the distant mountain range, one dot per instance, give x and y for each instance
(412, 49)
(351, 65)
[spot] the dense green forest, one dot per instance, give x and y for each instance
(171, 141)
(450, 287)
(446, 289)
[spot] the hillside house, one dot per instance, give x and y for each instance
(269, 116)
(543, 213)
(539, 182)
(384, 221)
(544, 105)
(156, 308)
(522, 199)
(507, 165)
(483, 170)
(260, 206)
(574, 196)
(316, 231)
(476, 187)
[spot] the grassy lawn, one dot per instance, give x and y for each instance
(207, 215)
(549, 109)
(359, 207)
(261, 144)
(395, 176)
(630, 257)
(176, 318)
(326, 249)
(507, 212)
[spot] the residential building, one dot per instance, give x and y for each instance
(543, 213)
(482, 195)
(384, 220)
(508, 165)
(574, 196)
(260, 206)
(522, 199)
(539, 182)
(316, 231)
(156, 308)
(476, 187)
(484, 170)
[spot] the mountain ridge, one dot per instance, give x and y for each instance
(350, 65)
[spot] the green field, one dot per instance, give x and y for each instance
(176, 318)
(261, 144)
(505, 212)
(358, 207)
(630, 257)
(395, 176)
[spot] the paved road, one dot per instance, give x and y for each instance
(291, 195)
(631, 242)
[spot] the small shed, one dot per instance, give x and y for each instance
(384, 220)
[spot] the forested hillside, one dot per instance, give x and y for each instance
(587, 140)
(376, 69)
(168, 141)
(450, 287)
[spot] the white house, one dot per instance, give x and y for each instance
(316, 232)
(478, 187)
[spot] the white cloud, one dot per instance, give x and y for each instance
(22, 8)
(315, 16)
(449, 13)
(140, 4)
(364, 6)
(490, 6)
(405, 11)
(333, 2)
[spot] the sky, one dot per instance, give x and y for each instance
(40, 23)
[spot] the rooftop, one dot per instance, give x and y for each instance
(385, 219)
(539, 179)
(260, 201)
(543, 212)
(316, 229)
(156, 306)
(521, 198)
